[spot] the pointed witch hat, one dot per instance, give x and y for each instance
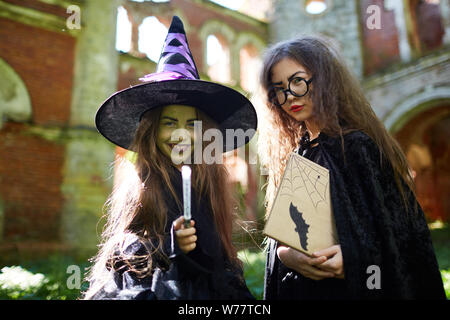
(176, 81)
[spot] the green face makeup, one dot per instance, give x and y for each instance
(175, 136)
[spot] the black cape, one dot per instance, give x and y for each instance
(374, 229)
(204, 273)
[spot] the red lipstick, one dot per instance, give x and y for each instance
(296, 108)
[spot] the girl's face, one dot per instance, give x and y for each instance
(175, 136)
(299, 108)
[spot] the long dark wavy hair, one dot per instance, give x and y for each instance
(339, 104)
(135, 205)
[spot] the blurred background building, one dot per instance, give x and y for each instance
(60, 59)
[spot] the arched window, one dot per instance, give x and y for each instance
(316, 6)
(152, 34)
(218, 58)
(15, 102)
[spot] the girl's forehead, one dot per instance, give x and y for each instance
(286, 67)
(178, 110)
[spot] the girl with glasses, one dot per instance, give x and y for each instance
(316, 107)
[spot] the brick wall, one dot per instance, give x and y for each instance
(44, 60)
(30, 180)
(429, 25)
(31, 167)
(40, 6)
(380, 45)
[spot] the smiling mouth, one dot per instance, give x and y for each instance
(296, 108)
(179, 147)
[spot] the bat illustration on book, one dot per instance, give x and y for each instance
(302, 208)
(301, 227)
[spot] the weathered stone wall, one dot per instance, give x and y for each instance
(55, 169)
(376, 56)
(340, 22)
(396, 93)
(58, 170)
(87, 178)
(404, 67)
(96, 61)
(44, 61)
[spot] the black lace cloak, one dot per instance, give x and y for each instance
(374, 229)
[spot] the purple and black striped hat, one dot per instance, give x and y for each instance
(176, 81)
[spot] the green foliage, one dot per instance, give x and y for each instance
(441, 243)
(254, 264)
(40, 280)
(446, 279)
(18, 283)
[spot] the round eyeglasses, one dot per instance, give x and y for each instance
(297, 86)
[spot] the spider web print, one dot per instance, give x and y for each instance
(310, 178)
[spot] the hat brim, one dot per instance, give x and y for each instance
(118, 117)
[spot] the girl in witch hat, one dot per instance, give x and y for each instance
(146, 252)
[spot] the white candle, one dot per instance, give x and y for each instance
(186, 174)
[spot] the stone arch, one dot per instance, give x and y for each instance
(15, 103)
(216, 27)
(424, 140)
(245, 38)
(414, 105)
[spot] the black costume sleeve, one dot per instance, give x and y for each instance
(176, 282)
(120, 282)
(375, 228)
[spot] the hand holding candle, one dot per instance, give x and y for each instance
(185, 237)
(186, 175)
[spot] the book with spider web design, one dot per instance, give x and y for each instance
(301, 216)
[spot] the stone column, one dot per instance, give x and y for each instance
(136, 22)
(285, 14)
(235, 64)
(87, 179)
(96, 61)
(445, 16)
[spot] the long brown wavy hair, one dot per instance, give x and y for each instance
(339, 104)
(135, 205)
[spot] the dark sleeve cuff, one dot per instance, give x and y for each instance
(191, 263)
